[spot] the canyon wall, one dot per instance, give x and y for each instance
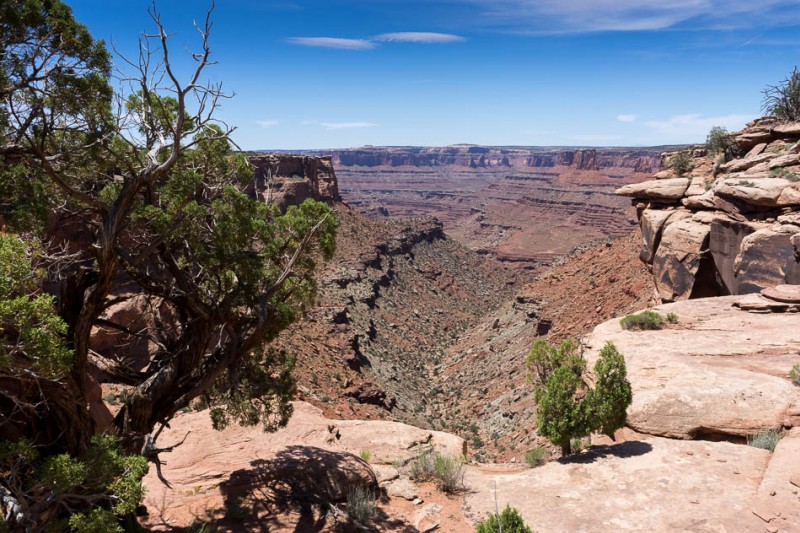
(521, 205)
(725, 226)
(287, 179)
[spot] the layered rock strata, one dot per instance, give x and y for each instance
(725, 227)
(521, 205)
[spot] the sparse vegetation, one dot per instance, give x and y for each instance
(766, 440)
(365, 455)
(746, 183)
(537, 456)
(672, 318)
(447, 472)
(794, 375)
(681, 163)
(785, 174)
(642, 321)
(509, 521)
(562, 413)
(783, 100)
(719, 141)
(361, 505)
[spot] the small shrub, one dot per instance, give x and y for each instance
(537, 456)
(783, 100)
(719, 140)
(794, 375)
(509, 521)
(672, 318)
(642, 321)
(746, 183)
(365, 455)
(422, 467)
(681, 163)
(361, 504)
(766, 440)
(577, 444)
(449, 473)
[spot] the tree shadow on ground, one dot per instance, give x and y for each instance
(621, 450)
(303, 487)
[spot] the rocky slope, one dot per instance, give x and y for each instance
(396, 295)
(524, 206)
(726, 227)
(485, 393)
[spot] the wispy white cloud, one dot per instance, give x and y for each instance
(694, 127)
(422, 37)
(627, 118)
(339, 125)
(578, 16)
(418, 37)
(268, 123)
(333, 42)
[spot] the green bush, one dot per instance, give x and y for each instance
(766, 440)
(672, 318)
(509, 521)
(719, 140)
(365, 455)
(361, 504)
(563, 415)
(794, 375)
(537, 456)
(641, 321)
(681, 163)
(783, 100)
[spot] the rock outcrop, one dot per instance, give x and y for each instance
(721, 371)
(287, 179)
(725, 227)
(314, 461)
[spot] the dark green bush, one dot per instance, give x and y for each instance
(509, 521)
(537, 456)
(719, 141)
(681, 163)
(644, 320)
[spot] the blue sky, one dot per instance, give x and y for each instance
(341, 73)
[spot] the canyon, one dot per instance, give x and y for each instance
(418, 341)
(521, 205)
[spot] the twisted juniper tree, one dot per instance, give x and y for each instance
(113, 193)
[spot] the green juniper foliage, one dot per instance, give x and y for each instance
(565, 408)
(139, 191)
(509, 521)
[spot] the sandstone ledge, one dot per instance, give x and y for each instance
(719, 371)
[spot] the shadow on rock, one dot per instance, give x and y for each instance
(308, 481)
(621, 450)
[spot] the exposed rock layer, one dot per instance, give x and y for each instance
(525, 206)
(726, 227)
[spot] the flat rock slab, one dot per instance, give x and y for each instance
(650, 485)
(312, 453)
(783, 293)
(719, 370)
